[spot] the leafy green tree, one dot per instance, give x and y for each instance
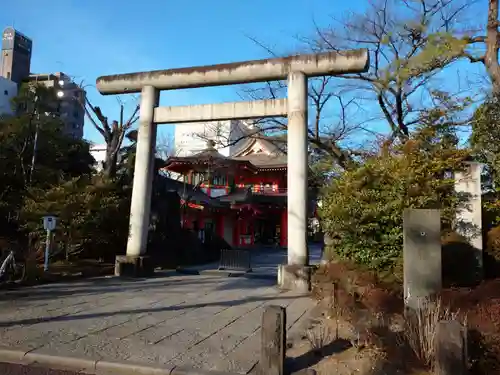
(362, 208)
(484, 140)
(58, 158)
(92, 216)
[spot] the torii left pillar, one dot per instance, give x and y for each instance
(136, 262)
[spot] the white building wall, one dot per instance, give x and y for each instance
(237, 135)
(8, 90)
(191, 138)
(99, 154)
(469, 216)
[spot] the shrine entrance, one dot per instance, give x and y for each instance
(296, 70)
(266, 232)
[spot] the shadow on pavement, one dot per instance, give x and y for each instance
(140, 311)
(116, 285)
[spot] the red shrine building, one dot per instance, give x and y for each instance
(242, 198)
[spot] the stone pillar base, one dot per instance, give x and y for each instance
(133, 266)
(295, 277)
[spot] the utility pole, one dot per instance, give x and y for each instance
(59, 94)
(35, 141)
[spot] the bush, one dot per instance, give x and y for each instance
(493, 243)
(363, 207)
(459, 261)
(92, 218)
(420, 328)
(492, 253)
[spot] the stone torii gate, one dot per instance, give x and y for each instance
(296, 69)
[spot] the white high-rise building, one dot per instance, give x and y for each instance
(8, 90)
(99, 154)
(191, 138)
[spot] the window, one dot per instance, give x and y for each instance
(197, 178)
(219, 180)
(5, 92)
(76, 114)
(75, 126)
(8, 75)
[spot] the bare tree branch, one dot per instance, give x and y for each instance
(492, 45)
(410, 42)
(113, 134)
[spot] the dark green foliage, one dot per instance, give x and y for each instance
(363, 207)
(92, 216)
(484, 141)
(92, 212)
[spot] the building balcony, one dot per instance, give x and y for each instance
(269, 190)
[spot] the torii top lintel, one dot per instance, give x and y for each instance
(313, 65)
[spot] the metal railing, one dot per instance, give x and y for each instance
(268, 190)
(235, 260)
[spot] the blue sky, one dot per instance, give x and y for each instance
(86, 39)
(90, 38)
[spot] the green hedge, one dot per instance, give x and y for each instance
(363, 208)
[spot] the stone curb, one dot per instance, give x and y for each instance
(95, 367)
(108, 367)
(193, 371)
(62, 363)
(11, 356)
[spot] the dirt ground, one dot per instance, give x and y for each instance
(360, 332)
(338, 343)
(328, 348)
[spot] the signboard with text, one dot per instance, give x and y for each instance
(49, 222)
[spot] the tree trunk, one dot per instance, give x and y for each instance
(110, 164)
(492, 44)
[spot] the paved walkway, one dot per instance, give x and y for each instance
(265, 261)
(201, 321)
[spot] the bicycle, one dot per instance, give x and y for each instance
(12, 269)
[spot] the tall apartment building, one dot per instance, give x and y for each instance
(191, 138)
(16, 55)
(15, 67)
(70, 97)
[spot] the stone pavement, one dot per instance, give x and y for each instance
(205, 322)
(265, 261)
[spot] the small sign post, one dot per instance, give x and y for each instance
(49, 224)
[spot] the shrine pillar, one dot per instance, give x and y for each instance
(296, 275)
(297, 169)
(142, 185)
(284, 228)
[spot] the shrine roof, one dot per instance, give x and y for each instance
(188, 192)
(245, 195)
(209, 156)
(265, 161)
(238, 195)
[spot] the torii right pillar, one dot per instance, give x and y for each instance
(296, 274)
